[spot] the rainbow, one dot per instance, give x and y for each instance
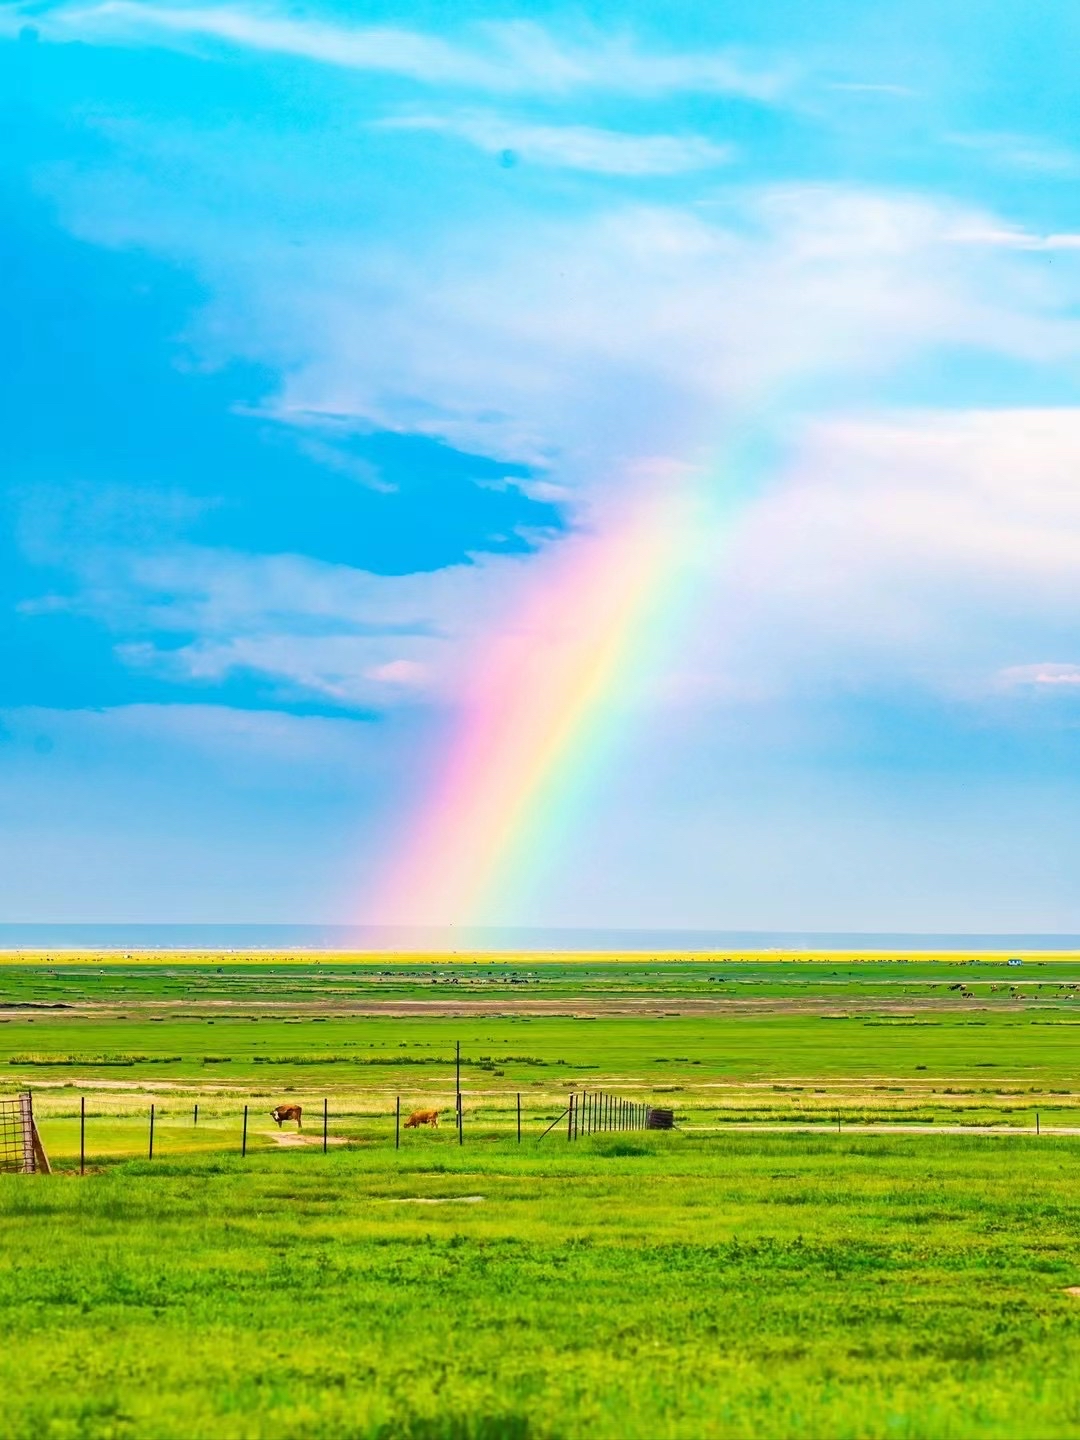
(542, 708)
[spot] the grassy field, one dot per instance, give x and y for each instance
(738, 1277)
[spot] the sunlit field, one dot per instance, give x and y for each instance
(855, 1229)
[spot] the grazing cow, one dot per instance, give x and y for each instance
(287, 1112)
(423, 1117)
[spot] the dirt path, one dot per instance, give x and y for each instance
(290, 1139)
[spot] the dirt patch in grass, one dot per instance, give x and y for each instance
(290, 1137)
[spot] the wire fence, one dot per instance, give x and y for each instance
(112, 1129)
(120, 1127)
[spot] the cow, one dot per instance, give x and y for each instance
(287, 1112)
(422, 1117)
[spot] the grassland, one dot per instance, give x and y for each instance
(755, 1272)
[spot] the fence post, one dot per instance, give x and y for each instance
(519, 1115)
(243, 1138)
(324, 1125)
(570, 1120)
(1036, 1122)
(150, 1152)
(397, 1125)
(195, 1121)
(26, 1127)
(82, 1134)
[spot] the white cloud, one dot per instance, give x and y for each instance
(595, 345)
(508, 57)
(399, 672)
(1015, 239)
(574, 147)
(644, 330)
(1049, 674)
(308, 628)
(934, 551)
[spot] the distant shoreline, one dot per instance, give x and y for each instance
(32, 940)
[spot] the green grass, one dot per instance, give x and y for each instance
(631, 1286)
(719, 1281)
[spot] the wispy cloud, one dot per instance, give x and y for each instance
(509, 57)
(1031, 154)
(573, 147)
(1008, 238)
(1047, 675)
(874, 87)
(968, 525)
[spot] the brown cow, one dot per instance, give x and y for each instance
(423, 1117)
(287, 1112)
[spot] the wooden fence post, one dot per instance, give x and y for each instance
(195, 1117)
(570, 1120)
(519, 1115)
(150, 1152)
(243, 1138)
(397, 1125)
(324, 1125)
(82, 1134)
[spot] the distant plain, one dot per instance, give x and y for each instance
(854, 1230)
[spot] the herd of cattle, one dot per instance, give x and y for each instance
(296, 1112)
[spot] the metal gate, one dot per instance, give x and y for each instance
(21, 1151)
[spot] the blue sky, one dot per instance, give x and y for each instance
(325, 328)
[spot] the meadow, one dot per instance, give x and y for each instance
(855, 1230)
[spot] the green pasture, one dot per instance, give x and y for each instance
(725, 1042)
(737, 1277)
(629, 1286)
